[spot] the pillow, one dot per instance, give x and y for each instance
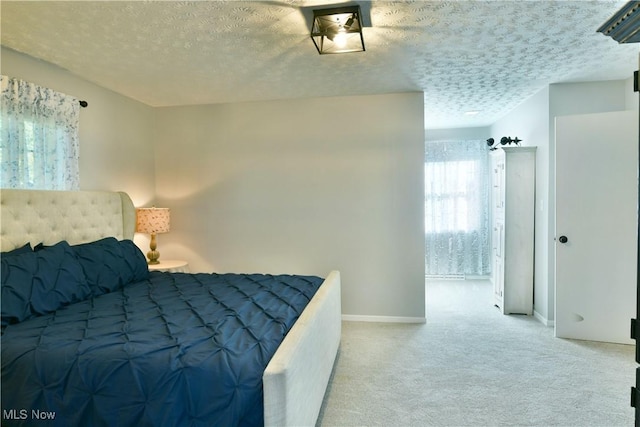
(110, 264)
(16, 278)
(60, 279)
(136, 260)
(17, 251)
(36, 283)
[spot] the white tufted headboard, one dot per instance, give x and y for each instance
(41, 216)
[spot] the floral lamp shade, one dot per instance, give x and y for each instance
(153, 220)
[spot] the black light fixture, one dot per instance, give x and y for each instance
(507, 140)
(624, 26)
(337, 30)
(503, 141)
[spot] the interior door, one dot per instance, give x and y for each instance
(596, 225)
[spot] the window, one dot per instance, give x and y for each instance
(450, 202)
(456, 201)
(38, 137)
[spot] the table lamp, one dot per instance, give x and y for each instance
(153, 221)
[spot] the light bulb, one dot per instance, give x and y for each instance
(341, 39)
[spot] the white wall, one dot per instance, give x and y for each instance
(530, 122)
(631, 100)
(292, 186)
(534, 122)
(353, 168)
(301, 186)
(571, 99)
(460, 134)
(116, 145)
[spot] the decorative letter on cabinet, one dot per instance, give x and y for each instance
(513, 210)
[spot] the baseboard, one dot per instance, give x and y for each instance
(382, 319)
(543, 320)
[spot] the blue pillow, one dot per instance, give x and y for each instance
(16, 276)
(59, 280)
(136, 261)
(17, 251)
(36, 283)
(110, 264)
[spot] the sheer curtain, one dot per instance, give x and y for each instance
(39, 141)
(457, 223)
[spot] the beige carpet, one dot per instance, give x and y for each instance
(472, 366)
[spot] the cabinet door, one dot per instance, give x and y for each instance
(498, 264)
(498, 284)
(497, 235)
(498, 186)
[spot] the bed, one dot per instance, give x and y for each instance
(97, 339)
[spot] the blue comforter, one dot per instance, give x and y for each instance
(171, 350)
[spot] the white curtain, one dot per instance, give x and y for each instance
(39, 141)
(457, 223)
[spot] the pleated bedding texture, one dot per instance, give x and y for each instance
(175, 349)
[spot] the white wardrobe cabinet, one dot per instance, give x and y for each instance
(513, 209)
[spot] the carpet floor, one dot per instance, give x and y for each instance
(469, 365)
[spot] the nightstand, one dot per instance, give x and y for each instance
(171, 266)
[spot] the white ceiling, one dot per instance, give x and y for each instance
(485, 56)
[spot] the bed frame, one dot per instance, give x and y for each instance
(295, 379)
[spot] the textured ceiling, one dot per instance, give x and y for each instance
(485, 56)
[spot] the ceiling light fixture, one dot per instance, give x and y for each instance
(337, 30)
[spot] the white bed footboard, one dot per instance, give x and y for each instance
(296, 378)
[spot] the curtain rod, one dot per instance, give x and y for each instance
(84, 104)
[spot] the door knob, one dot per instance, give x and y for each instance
(563, 239)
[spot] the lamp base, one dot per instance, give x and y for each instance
(153, 257)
